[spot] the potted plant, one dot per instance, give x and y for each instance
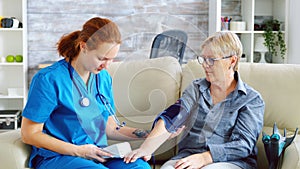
(274, 39)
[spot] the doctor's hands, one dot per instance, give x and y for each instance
(135, 154)
(92, 152)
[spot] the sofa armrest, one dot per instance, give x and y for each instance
(14, 153)
(291, 158)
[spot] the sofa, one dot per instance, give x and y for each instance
(143, 88)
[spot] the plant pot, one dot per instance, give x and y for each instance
(268, 57)
(273, 59)
(277, 59)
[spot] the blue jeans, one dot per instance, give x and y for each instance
(67, 162)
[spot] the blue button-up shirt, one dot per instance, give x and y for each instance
(229, 129)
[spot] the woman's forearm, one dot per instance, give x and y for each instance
(156, 138)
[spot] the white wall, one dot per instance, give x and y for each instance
(294, 32)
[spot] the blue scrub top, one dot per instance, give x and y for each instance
(54, 100)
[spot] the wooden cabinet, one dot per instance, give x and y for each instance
(13, 75)
(250, 12)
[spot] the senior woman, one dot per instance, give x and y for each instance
(227, 114)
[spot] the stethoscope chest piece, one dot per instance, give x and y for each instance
(84, 102)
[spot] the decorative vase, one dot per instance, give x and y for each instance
(277, 59)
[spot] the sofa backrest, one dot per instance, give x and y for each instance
(277, 83)
(279, 87)
(145, 87)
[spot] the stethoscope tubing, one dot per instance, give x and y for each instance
(108, 106)
(102, 98)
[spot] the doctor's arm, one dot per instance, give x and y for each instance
(124, 133)
(32, 134)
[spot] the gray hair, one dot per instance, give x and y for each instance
(224, 44)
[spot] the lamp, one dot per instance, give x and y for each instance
(260, 47)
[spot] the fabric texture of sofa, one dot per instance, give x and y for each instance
(143, 88)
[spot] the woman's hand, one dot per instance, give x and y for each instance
(135, 154)
(194, 161)
(92, 152)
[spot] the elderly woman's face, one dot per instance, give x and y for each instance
(220, 68)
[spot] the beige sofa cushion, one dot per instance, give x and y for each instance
(280, 89)
(191, 71)
(143, 89)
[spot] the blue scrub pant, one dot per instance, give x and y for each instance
(67, 162)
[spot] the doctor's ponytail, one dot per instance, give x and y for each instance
(94, 32)
(68, 46)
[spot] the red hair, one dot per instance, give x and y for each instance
(94, 32)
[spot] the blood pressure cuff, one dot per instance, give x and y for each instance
(174, 116)
(11, 23)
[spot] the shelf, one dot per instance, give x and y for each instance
(13, 41)
(251, 12)
(11, 64)
(10, 29)
(11, 97)
(263, 32)
(240, 31)
(4, 130)
(256, 32)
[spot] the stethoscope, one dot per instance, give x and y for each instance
(85, 102)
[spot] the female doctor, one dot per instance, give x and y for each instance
(70, 110)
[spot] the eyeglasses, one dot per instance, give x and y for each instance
(210, 61)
